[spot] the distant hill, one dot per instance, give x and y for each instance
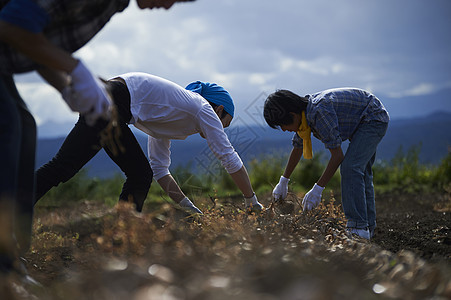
(420, 105)
(400, 107)
(433, 132)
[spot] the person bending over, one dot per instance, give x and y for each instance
(164, 111)
(334, 116)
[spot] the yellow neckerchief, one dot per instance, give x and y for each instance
(304, 132)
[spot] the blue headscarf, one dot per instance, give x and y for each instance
(213, 93)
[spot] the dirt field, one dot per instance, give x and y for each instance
(90, 251)
(419, 223)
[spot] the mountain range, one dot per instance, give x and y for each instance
(431, 133)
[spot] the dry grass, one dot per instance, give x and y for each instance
(95, 252)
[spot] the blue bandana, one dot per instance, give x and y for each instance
(214, 93)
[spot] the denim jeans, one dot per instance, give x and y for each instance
(83, 143)
(18, 151)
(357, 189)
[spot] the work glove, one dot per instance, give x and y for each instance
(189, 207)
(251, 204)
(87, 95)
(281, 189)
(312, 198)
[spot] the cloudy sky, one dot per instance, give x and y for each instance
(393, 48)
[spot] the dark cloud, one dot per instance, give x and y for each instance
(254, 46)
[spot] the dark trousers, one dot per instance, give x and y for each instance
(17, 150)
(83, 143)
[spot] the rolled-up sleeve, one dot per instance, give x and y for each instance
(217, 140)
(160, 156)
(297, 142)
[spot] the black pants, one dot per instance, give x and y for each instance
(17, 151)
(83, 142)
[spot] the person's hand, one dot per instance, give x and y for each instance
(251, 204)
(189, 206)
(87, 95)
(312, 198)
(281, 189)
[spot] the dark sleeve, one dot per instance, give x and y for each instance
(25, 14)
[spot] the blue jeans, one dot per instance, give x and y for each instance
(357, 191)
(17, 151)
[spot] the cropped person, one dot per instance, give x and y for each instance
(334, 116)
(41, 35)
(165, 111)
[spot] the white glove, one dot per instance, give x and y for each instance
(189, 207)
(252, 204)
(281, 189)
(87, 95)
(312, 198)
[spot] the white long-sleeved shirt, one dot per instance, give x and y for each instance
(165, 111)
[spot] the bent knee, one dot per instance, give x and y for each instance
(349, 166)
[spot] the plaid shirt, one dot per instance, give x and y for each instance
(72, 23)
(334, 115)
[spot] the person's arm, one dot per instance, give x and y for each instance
(293, 160)
(170, 186)
(83, 92)
(37, 47)
(159, 153)
(313, 197)
(280, 191)
(220, 145)
(242, 181)
(172, 189)
(334, 162)
(58, 79)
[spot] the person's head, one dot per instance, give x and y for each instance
(166, 4)
(283, 107)
(218, 97)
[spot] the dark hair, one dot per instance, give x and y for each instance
(223, 114)
(278, 106)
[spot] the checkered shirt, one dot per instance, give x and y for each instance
(72, 24)
(334, 115)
